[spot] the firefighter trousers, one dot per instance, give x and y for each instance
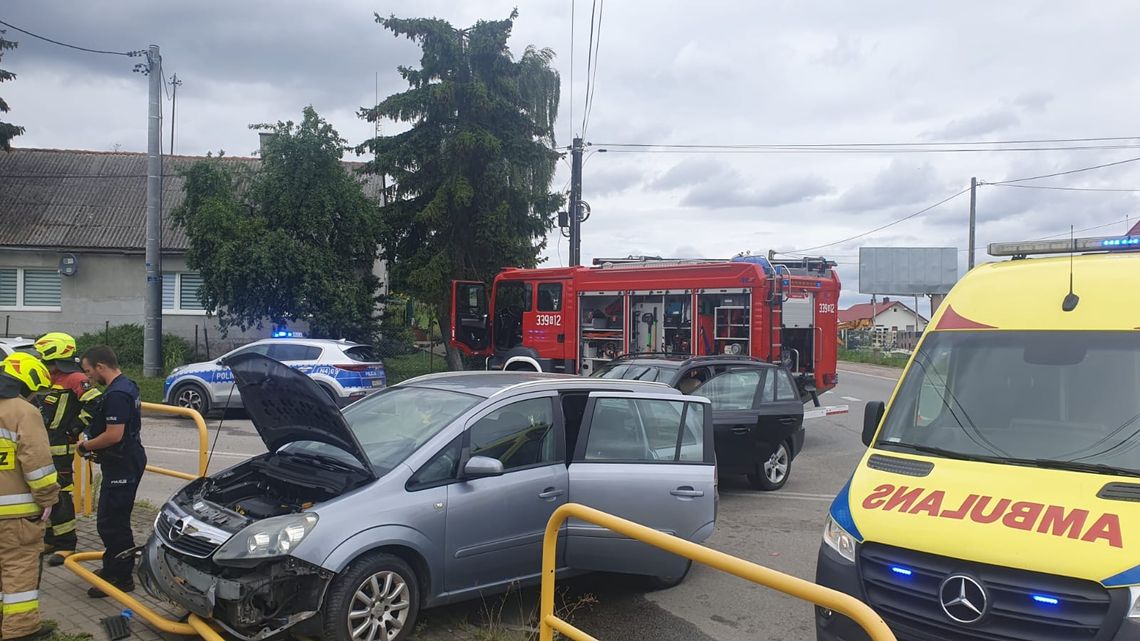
(21, 541)
(60, 535)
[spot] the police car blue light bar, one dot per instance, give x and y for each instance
(1065, 246)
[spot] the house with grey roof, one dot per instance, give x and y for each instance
(72, 239)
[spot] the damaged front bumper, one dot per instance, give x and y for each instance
(251, 602)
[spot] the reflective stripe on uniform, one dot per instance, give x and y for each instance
(70, 487)
(16, 499)
(20, 602)
(60, 412)
(42, 477)
(90, 394)
(23, 509)
(66, 527)
(62, 450)
(11, 436)
(36, 475)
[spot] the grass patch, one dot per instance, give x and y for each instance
(401, 368)
(150, 389)
(873, 358)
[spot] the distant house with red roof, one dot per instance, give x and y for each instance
(886, 314)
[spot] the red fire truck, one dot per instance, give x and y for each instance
(573, 319)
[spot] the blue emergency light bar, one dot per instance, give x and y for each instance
(288, 334)
(1045, 599)
(1065, 246)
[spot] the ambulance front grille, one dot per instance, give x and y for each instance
(903, 587)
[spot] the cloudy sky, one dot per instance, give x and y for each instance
(668, 72)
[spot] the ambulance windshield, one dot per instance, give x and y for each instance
(1071, 396)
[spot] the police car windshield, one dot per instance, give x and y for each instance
(1046, 397)
(392, 424)
(638, 372)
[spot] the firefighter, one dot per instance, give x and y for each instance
(67, 409)
(115, 441)
(28, 490)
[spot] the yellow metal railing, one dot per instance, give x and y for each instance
(839, 602)
(84, 495)
(194, 626)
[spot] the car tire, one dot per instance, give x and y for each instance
(774, 472)
(656, 583)
(191, 396)
(377, 597)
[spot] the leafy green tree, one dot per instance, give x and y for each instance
(8, 131)
(295, 239)
(472, 175)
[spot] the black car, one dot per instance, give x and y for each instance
(757, 411)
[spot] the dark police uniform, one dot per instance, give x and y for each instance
(122, 465)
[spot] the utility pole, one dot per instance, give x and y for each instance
(973, 217)
(152, 328)
(575, 213)
(175, 83)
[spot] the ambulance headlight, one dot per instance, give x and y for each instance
(838, 539)
(1134, 600)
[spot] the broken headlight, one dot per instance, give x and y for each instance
(268, 538)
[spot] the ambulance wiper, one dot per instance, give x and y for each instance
(938, 451)
(1078, 466)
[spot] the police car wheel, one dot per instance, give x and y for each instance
(773, 473)
(191, 396)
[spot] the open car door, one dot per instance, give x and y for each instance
(647, 458)
(470, 318)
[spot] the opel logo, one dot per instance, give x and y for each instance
(181, 528)
(963, 599)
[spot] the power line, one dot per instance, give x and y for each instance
(882, 227)
(593, 84)
(589, 61)
(858, 150)
(877, 144)
(1065, 173)
(1077, 231)
(1060, 188)
(130, 54)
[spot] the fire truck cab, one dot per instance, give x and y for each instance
(575, 319)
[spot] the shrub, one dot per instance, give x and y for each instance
(127, 341)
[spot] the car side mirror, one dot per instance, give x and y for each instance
(478, 467)
(872, 414)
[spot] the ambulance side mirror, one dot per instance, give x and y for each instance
(872, 414)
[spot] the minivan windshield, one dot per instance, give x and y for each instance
(394, 423)
(1057, 399)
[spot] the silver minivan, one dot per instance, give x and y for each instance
(430, 492)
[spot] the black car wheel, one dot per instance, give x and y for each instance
(774, 472)
(191, 396)
(376, 599)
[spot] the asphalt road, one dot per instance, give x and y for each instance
(780, 530)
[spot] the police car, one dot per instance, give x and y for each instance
(346, 371)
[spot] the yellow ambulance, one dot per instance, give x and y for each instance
(999, 498)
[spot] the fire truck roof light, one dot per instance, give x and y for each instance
(1064, 246)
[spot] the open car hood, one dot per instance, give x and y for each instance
(287, 406)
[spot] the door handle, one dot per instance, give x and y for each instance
(788, 420)
(688, 492)
(741, 430)
(550, 493)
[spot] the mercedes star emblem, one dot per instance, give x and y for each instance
(963, 599)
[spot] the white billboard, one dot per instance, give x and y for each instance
(907, 271)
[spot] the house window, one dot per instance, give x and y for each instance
(30, 289)
(180, 293)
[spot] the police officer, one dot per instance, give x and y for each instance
(67, 409)
(115, 441)
(28, 489)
